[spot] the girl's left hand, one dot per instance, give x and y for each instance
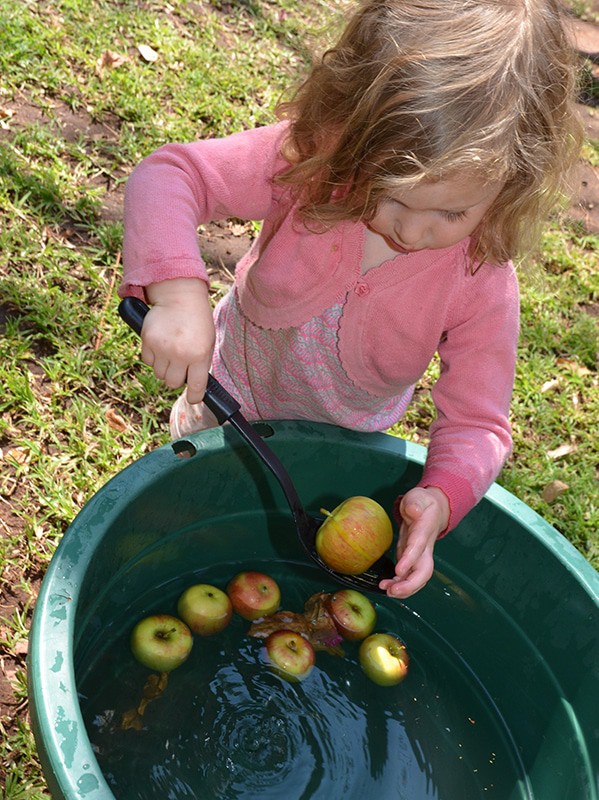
(425, 514)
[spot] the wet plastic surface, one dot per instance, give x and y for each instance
(511, 596)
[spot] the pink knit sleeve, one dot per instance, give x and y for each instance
(471, 437)
(180, 186)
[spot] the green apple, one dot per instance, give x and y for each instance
(384, 658)
(205, 609)
(291, 656)
(354, 535)
(254, 594)
(352, 612)
(161, 642)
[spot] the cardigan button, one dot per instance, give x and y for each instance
(362, 289)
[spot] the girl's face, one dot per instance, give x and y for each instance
(433, 215)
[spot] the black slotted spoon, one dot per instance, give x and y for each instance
(226, 409)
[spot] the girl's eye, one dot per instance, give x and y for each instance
(454, 216)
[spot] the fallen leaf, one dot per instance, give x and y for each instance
(147, 53)
(115, 420)
(18, 454)
(553, 490)
(573, 366)
(561, 451)
(110, 60)
(549, 385)
(21, 647)
(6, 114)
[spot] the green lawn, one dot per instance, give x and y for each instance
(80, 104)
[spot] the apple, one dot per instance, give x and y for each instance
(254, 594)
(291, 656)
(161, 642)
(384, 658)
(205, 609)
(352, 612)
(354, 535)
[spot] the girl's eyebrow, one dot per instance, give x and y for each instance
(460, 210)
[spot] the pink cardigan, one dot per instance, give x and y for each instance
(395, 316)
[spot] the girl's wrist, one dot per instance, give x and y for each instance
(443, 505)
(177, 291)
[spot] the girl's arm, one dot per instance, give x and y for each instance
(169, 195)
(471, 437)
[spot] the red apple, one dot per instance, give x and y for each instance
(290, 655)
(354, 535)
(384, 658)
(161, 642)
(254, 594)
(205, 609)
(352, 612)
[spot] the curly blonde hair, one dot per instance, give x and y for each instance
(425, 90)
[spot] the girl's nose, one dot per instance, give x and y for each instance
(410, 229)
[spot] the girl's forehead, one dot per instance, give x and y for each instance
(460, 193)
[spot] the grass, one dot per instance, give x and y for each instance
(79, 106)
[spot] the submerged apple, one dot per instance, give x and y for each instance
(254, 594)
(290, 655)
(384, 658)
(352, 612)
(161, 642)
(354, 535)
(205, 609)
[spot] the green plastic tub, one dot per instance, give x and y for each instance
(503, 640)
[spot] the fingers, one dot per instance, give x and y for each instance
(413, 582)
(176, 374)
(196, 383)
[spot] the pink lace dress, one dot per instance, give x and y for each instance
(289, 373)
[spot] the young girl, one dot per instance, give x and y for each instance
(405, 174)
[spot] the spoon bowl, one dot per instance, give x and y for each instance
(227, 409)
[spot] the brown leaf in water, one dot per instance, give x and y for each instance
(153, 689)
(131, 720)
(315, 625)
(282, 620)
(325, 635)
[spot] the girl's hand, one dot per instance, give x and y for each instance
(178, 334)
(425, 514)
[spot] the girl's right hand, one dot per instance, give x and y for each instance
(178, 334)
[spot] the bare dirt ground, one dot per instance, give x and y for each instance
(223, 245)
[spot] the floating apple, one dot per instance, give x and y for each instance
(205, 609)
(161, 642)
(352, 612)
(354, 535)
(254, 594)
(290, 654)
(384, 658)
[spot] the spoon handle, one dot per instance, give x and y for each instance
(226, 409)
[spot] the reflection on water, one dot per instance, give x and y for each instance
(227, 727)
